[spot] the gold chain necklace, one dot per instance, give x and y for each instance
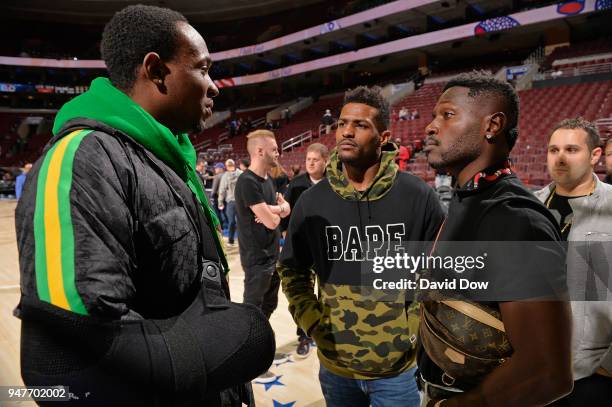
(552, 194)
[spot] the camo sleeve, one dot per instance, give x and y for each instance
(294, 269)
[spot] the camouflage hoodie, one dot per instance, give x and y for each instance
(360, 332)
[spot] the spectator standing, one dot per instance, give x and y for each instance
(327, 120)
(227, 200)
(214, 194)
(244, 164)
(583, 206)
(403, 155)
(608, 161)
(21, 179)
(317, 156)
(414, 114)
(296, 169)
(260, 209)
(280, 178)
(201, 171)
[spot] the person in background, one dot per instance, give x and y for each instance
(244, 164)
(201, 170)
(296, 169)
(21, 179)
(227, 200)
(403, 114)
(317, 156)
(403, 155)
(327, 120)
(582, 204)
(608, 161)
(260, 210)
(214, 194)
(280, 178)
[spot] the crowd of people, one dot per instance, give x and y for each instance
(124, 275)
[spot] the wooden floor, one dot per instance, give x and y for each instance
(296, 385)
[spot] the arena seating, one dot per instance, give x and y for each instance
(541, 109)
(579, 49)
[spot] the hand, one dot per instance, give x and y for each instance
(257, 220)
(280, 199)
(221, 207)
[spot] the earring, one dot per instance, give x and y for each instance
(488, 136)
(158, 81)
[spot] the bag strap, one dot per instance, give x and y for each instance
(466, 308)
(476, 313)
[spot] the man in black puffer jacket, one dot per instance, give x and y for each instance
(124, 296)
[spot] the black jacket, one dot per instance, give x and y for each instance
(296, 187)
(140, 248)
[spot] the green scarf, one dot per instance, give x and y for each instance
(105, 103)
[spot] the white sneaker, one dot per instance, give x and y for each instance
(266, 377)
(280, 358)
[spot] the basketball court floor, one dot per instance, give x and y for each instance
(296, 383)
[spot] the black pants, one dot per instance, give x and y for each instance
(595, 390)
(261, 283)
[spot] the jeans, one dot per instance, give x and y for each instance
(220, 213)
(261, 284)
(230, 213)
(396, 391)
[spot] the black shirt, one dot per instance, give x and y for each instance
(258, 244)
(280, 183)
(503, 211)
(296, 187)
(560, 206)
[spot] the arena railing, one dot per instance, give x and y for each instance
(296, 141)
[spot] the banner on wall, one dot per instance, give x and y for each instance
(514, 72)
(47, 89)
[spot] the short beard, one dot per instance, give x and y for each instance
(362, 161)
(459, 154)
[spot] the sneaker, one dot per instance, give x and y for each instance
(266, 377)
(304, 347)
(280, 358)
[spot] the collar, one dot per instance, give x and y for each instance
(488, 177)
(599, 186)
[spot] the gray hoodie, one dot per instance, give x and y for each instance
(227, 186)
